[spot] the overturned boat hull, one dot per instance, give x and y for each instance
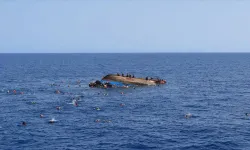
(129, 80)
(109, 79)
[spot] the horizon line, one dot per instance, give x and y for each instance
(125, 53)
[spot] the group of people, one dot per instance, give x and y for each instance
(98, 83)
(157, 80)
(132, 76)
(128, 75)
(147, 78)
(150, 78)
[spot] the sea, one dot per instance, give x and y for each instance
(204, 105)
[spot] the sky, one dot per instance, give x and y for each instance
(113, 26)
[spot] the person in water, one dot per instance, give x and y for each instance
(24, 123)
(76, 104)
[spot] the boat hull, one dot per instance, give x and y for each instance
(133, 81)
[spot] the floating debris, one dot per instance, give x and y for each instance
(106, 121)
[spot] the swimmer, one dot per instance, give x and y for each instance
(78, 81)
(122, 93)
(98, 108)
(41, 116)
(24, 123)
(76, 104)
(122, 104)
(52, 120)
(21, 93)
(58, 92)
(107, 121)
(8, 91)
(58, 108)
(188, 115)
(247, 114)
(98, 120)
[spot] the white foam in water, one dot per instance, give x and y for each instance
(52, 120)
(73, 102)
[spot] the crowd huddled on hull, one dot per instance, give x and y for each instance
(147, 78)
(128, 75)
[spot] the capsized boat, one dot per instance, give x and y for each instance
(112, 80)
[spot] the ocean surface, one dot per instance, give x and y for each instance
(213, 88)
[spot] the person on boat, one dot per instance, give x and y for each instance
(98, 82)
(107, 84)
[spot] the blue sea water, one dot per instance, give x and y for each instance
(214, 88)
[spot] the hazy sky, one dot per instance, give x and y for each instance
(125, 26)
